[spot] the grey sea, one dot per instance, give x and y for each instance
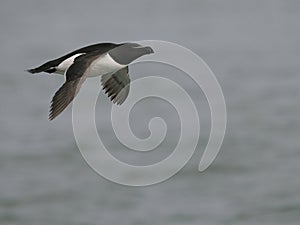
(253, 49)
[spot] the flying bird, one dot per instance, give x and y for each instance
(108, 60)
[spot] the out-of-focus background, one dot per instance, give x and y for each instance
(252, 47)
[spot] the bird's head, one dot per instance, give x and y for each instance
(128, 52)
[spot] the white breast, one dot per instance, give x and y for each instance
(104, 65)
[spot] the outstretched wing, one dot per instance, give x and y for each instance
(75, 76)
(117, 85)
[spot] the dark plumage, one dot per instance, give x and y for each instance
(108, 60)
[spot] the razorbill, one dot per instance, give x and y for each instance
(108, 60)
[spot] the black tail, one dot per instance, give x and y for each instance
(38, 70)
(48, 67)
(35, 70)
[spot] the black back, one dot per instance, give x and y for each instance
(49, 66)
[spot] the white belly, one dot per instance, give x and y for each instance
(63, 66)
(103, 65)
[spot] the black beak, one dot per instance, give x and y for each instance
(149, 50)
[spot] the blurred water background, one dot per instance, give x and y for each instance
(252, 47)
